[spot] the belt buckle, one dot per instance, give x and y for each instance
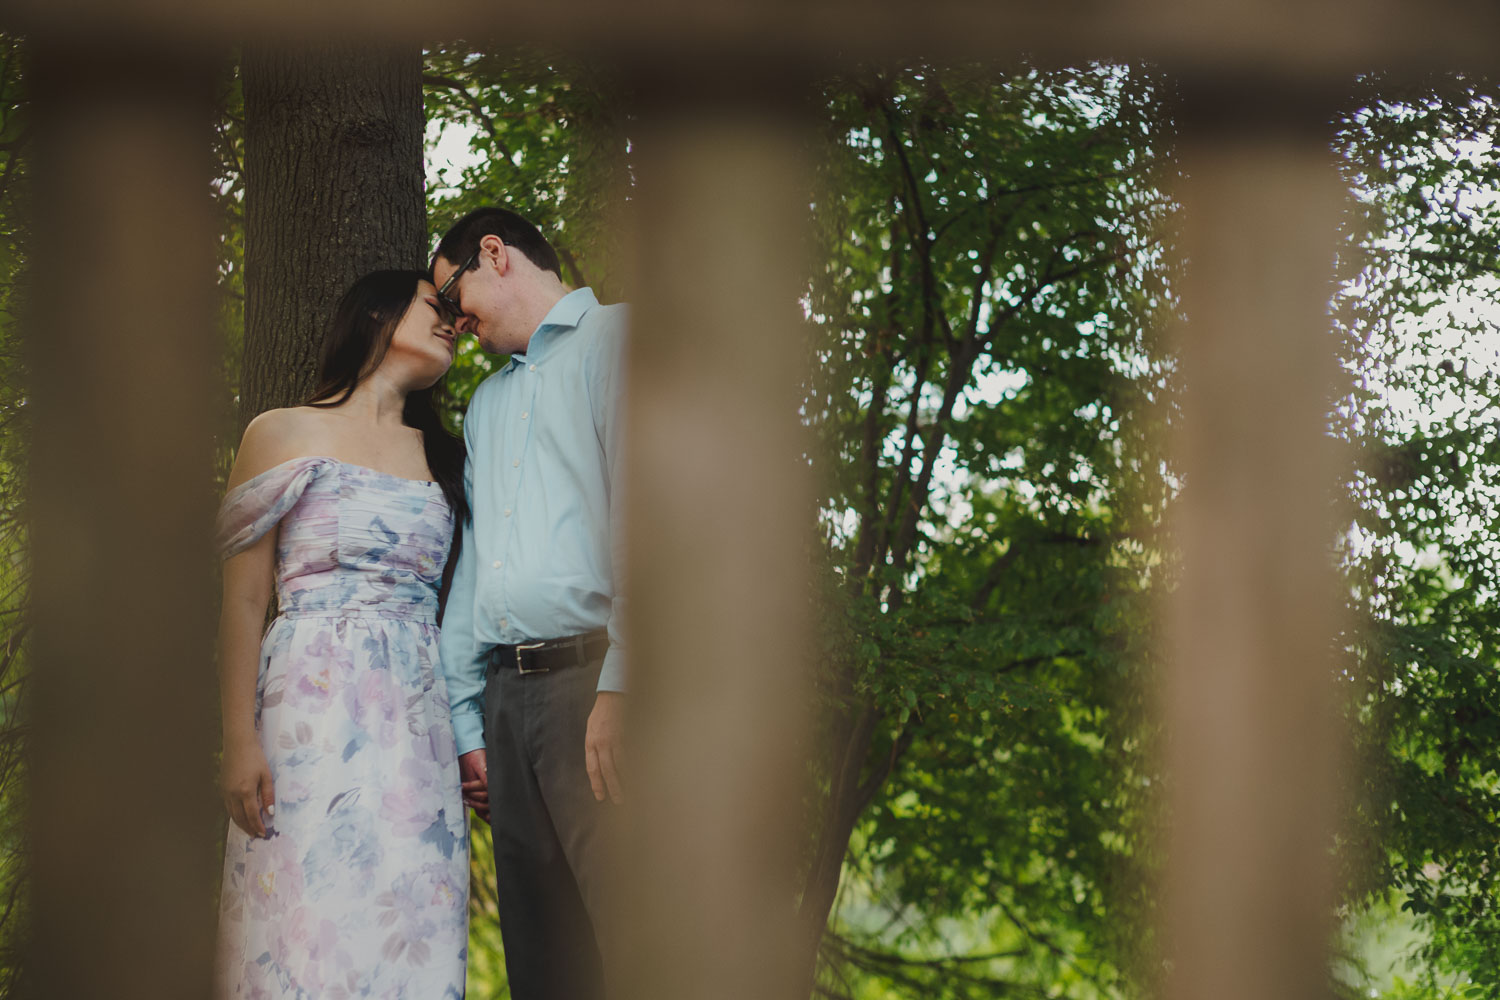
(521, 662)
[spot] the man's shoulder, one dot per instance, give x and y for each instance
(604, 326)
(608, 319)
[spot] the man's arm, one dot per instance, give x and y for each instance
(463, 667)
(607, 384)
(604, 737)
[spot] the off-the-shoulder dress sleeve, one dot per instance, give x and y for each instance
(252, 508)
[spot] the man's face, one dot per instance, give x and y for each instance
(445, 289)
(468, 293)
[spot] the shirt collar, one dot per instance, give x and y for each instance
(564, 315)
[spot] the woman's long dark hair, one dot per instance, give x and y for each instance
(355, 343)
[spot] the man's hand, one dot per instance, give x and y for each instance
(474, 779)
(602, 746)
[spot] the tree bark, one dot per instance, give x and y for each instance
(333, 189)
(855, 729)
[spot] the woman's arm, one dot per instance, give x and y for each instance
(245, 777)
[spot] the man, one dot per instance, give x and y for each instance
(531, 642)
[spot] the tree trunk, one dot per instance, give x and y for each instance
(856, 776)
(333, 189)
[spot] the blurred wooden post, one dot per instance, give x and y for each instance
(720, 503)
(1251, 725)
(124, 364)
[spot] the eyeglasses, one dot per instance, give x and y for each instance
(446, 301)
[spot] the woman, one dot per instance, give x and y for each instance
(346, 867)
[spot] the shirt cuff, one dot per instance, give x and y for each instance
(468, 731)
(612, 674)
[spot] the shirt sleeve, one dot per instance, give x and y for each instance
(463, 666)
(609, 412)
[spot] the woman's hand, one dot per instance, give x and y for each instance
(474, 775)
(245, 783)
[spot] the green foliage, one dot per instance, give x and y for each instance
(486, 973)
(989, 394)
(227, 192)
(1419, 324)
(546, 143)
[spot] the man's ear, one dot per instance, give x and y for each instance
(494, 249)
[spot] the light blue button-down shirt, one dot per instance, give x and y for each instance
(541, 559)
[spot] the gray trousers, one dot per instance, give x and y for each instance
(552, 839)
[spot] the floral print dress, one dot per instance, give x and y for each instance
(361, 888)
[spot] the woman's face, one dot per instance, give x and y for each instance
(422, 346)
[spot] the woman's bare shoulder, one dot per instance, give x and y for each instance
(277, 436)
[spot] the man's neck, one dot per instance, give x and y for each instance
(534, 308)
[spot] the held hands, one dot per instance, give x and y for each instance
(474, 778)
(602, 746)
(245, 784)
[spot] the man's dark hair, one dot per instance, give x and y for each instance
(463, 237)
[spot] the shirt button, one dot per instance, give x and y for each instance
(495, 564)
(533, 368)
(507, 512)
(525, 414)
(515, 463)
(505, 623)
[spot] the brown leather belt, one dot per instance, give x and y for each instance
(551, 654)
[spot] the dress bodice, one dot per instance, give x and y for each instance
(353, 540)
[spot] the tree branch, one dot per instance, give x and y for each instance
(1048, 944)
(470, 99)
(570, 262)
(911, 510)
(863, 951)
(870, 523)
(986, 263)
(904, 972)
(881, 772)
(918, 222)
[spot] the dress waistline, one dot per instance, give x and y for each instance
(399, 612)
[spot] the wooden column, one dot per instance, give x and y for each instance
(1254, 745)
(124, 365)
(720, 507)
